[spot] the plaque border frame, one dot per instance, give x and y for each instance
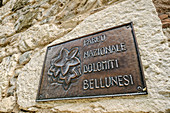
(143, 92)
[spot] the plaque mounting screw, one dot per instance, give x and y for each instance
(139, 88)
(49, 48)
(41, 96)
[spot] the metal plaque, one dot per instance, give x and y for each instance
(101, 64)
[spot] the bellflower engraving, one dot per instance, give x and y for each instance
(65, 68)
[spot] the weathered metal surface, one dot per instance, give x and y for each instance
(104, 63)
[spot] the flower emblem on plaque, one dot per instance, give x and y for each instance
(65, 67)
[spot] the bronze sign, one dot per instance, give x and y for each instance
(105, 63)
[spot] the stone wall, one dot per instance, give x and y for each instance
(27, 27)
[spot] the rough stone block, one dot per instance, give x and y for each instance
(149, 41)
(163, 16)
(7, 104)
(24, 58)
(27, 27)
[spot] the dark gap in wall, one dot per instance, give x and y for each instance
(1, 3)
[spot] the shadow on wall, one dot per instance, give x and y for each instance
(1, 3)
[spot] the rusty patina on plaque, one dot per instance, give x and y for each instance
(105, 63)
